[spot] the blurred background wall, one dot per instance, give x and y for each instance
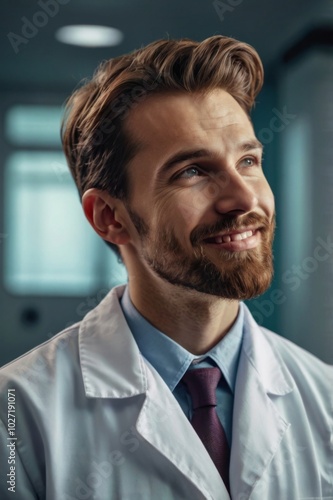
(54, 269)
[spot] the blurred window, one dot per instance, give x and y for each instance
(50, 248)
(34, 125)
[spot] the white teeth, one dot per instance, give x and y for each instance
(233, 237)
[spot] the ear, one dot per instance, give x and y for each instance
(102, 212)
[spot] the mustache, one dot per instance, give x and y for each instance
(230, 223)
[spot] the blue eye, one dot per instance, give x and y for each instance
(248, 161)
(187, 173)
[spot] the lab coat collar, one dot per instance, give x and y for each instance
(111, 364)
(270, 368)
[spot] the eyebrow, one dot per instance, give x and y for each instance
(193, 154)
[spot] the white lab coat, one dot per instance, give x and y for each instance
(95, 421)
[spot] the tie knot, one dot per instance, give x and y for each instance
(201, 384)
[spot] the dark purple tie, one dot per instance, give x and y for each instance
(201, 384)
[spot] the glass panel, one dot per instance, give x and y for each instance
(50, 247)
(296, 189)
(34, 125)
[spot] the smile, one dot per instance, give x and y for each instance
(236, 241)
(231, 237)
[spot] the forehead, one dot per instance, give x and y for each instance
(182, 117)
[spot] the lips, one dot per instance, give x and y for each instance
(232, 236)
(236, 241)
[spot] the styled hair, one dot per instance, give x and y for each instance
(95, 143)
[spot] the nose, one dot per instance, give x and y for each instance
(235, 195)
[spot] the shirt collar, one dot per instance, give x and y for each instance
(170, 359)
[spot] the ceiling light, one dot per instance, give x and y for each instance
(89, 36)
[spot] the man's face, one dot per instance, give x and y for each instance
(202, 210)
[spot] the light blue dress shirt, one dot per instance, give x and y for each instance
(171, 360)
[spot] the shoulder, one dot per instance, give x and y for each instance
(42, 361)
(40, 381)
(312, 376)
(298, 360)
(273, 354)
(50, 357)
(294, 355)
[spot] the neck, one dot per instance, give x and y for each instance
(194, 320)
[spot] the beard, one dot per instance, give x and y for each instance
(222, 273)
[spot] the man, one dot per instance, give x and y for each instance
(169, 389)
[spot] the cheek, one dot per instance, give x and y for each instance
(192, 202)
(175, 214)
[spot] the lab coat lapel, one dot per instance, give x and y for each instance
(258, 429)
(163, 424)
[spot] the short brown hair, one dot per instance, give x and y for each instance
(95, 144)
